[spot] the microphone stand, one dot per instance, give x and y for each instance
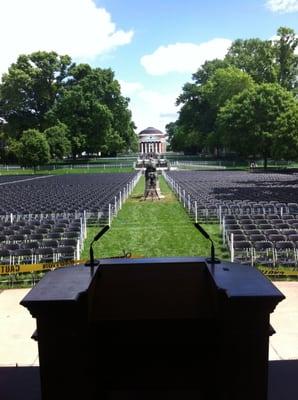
(92, 263)
(212, 259)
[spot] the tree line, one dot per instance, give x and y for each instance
(245, 104)
(51, 107)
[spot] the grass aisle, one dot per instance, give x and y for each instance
(153, 229)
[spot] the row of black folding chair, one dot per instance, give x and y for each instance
(273, 235)
(268, 253)
(39, 255)
(38, 237)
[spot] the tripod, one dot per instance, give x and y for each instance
(152, 192)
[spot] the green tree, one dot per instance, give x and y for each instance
(208, 69)
(285, 144)
(248, 62)
(2, 140)
(30, 89)
(43, 89)
(224, 84)
(92, 107)
(33, 149)
(256, 57)
(114, 143)
(286, 59)
(57, 138)
(11, 151)
(261, 120)
(201, 104)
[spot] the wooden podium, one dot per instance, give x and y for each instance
(154, 328)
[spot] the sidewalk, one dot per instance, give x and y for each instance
(16, 328)
(284, 319)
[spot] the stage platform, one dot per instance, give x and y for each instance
(19, 371)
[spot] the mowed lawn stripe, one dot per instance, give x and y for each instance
(149, 228)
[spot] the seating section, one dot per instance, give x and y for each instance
(67, 195)
(39, 241)
(44, 218)
(257, 212)
(277, 245)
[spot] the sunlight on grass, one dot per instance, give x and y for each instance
(149, 228)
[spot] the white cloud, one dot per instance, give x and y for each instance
(74, 27)
(149, 107)
(283, 6)
(184, 57)
(129, 88)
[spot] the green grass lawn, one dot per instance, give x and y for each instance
(148, 228)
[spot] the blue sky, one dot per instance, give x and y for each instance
(153, 47)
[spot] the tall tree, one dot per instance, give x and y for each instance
(224, 84)
(256, 57)
(208, 69)
(201, 104)
(260, 119)
(57, 138)
(92, 107)
(33, 149)
(30, 89)
(287, 59)
(43, 89)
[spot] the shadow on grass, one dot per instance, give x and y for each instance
(136, 197)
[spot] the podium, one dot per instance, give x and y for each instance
(154, 328)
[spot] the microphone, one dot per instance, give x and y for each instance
(93, 262)
(212, 259)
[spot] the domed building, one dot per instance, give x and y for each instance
(152, 140)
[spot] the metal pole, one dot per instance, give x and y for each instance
(196, 211)
(78, 250)
(232, 247)
(85, 223)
